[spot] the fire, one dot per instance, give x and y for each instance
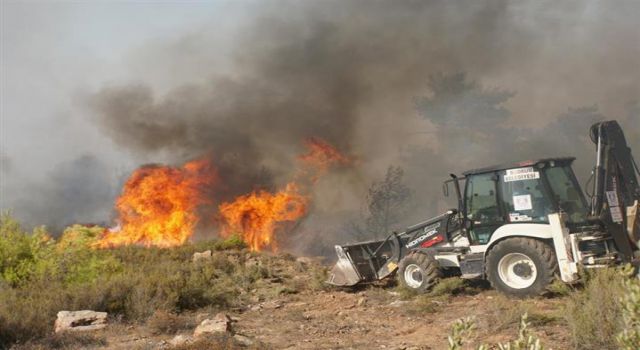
(321, 156)
(157, 205)
(161, 205)
(256, 216)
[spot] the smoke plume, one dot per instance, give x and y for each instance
(432, 86)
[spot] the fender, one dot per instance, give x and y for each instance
(539, 231)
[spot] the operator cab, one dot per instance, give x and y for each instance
(520, 193)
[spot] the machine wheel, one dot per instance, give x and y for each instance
(521, 267)
(419, 271)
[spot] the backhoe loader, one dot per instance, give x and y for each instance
(516, 225)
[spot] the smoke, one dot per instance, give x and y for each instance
(379, 80)
(78, 191)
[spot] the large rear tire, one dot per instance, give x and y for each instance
(419, 271)
(521, 267)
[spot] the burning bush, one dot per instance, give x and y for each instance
(162, 205)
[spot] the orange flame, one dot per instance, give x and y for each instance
(157, 205)
(256, 216)
(321, 156)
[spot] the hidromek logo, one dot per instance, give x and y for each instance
(432, 229)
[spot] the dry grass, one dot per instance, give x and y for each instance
(505, 313)
(218, 342)
(67, 340)
(39, 277)
(163, 322)
(594, 313)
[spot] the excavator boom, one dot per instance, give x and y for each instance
(616, 192)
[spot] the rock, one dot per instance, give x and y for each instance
(398, 303)
(203, 255)
(180, 340)
(362, 302)
(84, 320)
(221, 323)
(242, 340)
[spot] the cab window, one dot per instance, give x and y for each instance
(482, 207)
(524, 197)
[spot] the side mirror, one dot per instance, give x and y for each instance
(445, 189)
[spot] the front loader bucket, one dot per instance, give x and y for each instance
(365, 262)
(343, 273)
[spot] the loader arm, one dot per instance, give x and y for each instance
(616, 192)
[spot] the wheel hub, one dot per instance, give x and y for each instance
(522, 270)
(413, 276)
(517, 270)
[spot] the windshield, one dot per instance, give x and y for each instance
(524, 197)
(566, 192)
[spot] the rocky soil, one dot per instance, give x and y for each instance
(291, 311)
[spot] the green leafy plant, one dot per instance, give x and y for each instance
(629, 337)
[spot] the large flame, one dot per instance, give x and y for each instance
(160, 205)
(255, 216)
(157, 205)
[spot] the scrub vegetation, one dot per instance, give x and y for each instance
(40, 276)
(164, 290)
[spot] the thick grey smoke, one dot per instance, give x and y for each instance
(78, 191)
(381, 81)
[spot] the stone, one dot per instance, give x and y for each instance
(221, 323)
(362, 302)
(242, 340)
(83, 320)
(180, 340)
(398, 303)
(201, 256)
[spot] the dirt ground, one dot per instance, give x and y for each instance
(291, 308)
(374, 317)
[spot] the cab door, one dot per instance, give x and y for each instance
(483, 213)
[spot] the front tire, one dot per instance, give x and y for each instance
(419, 271)
(521, 267)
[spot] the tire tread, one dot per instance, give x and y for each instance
(544, 250)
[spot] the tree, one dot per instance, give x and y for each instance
(388, 202)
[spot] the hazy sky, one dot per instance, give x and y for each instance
(54, 54)
(53, 50)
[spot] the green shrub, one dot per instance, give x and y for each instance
(40, 276)
(462, 329)
(22, 255)
(594, 313)
(629, 338)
